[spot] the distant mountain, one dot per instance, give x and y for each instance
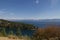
(40, 23)
(41, 20)
(50, 20)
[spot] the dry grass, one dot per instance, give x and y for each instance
(49, 33)
(6, 38)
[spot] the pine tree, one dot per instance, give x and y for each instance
(11, 33)
(18, 32)
(3, 32)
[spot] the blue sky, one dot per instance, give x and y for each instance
(29, 9)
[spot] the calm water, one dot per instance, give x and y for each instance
(40, 23)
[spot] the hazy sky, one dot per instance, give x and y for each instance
(29, 9)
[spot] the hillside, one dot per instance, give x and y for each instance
(14, 28)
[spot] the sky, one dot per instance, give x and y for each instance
(29, 9)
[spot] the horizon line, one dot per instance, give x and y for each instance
(29, 19)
